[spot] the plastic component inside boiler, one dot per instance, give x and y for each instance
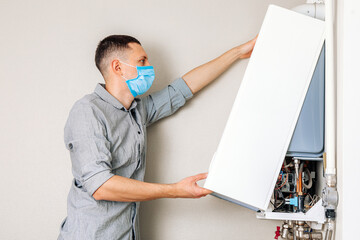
(308, 137)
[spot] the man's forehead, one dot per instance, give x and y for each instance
(136, 50)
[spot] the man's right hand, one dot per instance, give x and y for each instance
(188, 188)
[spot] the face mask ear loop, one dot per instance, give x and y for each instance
(127, 65)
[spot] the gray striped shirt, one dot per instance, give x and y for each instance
(105, 139)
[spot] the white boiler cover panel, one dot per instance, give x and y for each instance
(266, 109)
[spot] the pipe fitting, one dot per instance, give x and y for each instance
(330, 198)
(315, 10)
(285, 230)
(330, 180)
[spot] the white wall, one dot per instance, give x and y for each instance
(46, 58)
(348, 117)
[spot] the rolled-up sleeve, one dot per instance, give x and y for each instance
(166, 101)
(85, 138)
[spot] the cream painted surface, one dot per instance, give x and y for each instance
(46, 58)
(348, 117)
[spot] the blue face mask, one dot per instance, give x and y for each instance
(143, 81)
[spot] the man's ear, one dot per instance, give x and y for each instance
(116, 67)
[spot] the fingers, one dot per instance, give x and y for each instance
(203, 191)
(247, 48)
(248, 54)
(200, 176)
(188, 188)
(206, 191)
(199, 192)
(252, 41)
(255, 38)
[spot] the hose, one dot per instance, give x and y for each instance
(309, 185)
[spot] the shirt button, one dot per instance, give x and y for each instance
(71, 146)
(138, 132)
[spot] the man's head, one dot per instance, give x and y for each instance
(115, 49)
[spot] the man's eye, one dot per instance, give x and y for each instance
(143, 60)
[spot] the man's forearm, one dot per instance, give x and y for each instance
(201, 76)
(124, 189)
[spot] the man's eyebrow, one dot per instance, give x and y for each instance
(143, 57)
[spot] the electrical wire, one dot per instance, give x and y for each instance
(285, 181)
(314, 199)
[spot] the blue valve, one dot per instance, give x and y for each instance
(293, 201)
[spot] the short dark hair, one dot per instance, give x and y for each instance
(109, 45)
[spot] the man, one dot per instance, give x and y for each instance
(106, 137)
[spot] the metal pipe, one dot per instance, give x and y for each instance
(330, 94)
(330, 228)
(296, 161)
(328, 235)
(298, 230)
(330, 195)
(299, 184)
(285, 230)
(315, 10)
(312, 235)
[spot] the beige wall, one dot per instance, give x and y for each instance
(46, 58)
(348, 116)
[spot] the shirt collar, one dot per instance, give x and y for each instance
(107, 97)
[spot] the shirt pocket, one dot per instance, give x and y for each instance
(122, 158)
